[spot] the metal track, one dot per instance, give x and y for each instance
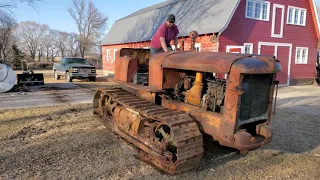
(186, 134)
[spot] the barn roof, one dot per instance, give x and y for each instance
(204, 16)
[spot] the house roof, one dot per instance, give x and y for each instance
(205, 16)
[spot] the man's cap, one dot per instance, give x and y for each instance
(171, 18)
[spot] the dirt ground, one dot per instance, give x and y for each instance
(66, 142)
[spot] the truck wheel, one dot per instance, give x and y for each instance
(56, 76)
(92, 79)
(68, 78)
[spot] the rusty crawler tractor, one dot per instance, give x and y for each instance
(164, 105)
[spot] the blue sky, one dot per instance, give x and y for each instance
(55, 14)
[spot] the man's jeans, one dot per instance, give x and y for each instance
(154, 51)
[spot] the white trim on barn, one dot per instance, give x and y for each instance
(228, 47)
(263, 16)
(275, 6)
(300, 60)
(114, 54)
(276, 45)
(108, 54)
(248, 45)
(293, 13)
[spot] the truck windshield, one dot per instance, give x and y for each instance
(76, 60)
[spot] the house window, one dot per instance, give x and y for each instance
(108, 54)
(258, 9)
(248, 48)
(301, 55)
(198, 47)
(114, 54)
(296, 16)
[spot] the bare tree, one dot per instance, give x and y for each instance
(30, 34)
(42, 40)
(51, 44)
(10, 4)
(40, 49)
(62, 43)
(90, 22)
(48, 41)
(7, 26)
(73, 44)
(54, 51)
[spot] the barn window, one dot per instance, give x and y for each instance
(114, 54)
(248, 48)
(198, 47)
(296, 16)
(108, 54)
(301, 55)
(258, 9)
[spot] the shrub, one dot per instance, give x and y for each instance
(40, 65)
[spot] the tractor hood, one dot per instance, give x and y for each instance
(219, 62)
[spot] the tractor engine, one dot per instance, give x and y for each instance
(214, 97)
(206, 92)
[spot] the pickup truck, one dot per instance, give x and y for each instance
(74, 68)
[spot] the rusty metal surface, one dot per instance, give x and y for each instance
(259, 65)
(212, 124)
(193, 35)
(244, 140)
(180, 151)
(209, 123)
(125, 68)
(217, 62)
(128, 62)
(136, 86)
(170, 78)
(155, 71)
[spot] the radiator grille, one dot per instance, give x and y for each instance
(255, 100)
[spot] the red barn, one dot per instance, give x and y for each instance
(288, 30)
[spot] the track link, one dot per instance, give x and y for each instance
(188, 140)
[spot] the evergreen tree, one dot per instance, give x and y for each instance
(17, 56)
